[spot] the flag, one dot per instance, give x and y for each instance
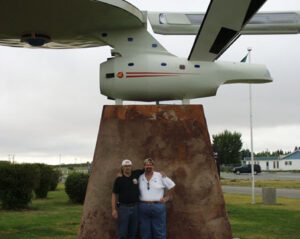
(245, 58)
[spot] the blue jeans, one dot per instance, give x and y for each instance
(127, 221)
(152, 219)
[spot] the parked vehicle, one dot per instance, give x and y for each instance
(247, 169)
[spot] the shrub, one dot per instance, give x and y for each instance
(55, 175)
(43, 187)
(2, 164)
(75, 186)
(17, 182)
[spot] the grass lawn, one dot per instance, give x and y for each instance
(281, 221)
(263, 183)
(55, 217)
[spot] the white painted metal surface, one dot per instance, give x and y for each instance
(188, 23)
(140, 67)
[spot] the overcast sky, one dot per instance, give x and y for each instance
(50, 102)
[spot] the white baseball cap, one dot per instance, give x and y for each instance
(126, 162)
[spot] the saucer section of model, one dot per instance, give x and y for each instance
(64, 23)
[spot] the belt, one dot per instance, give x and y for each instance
(151, 202)
(128, 204)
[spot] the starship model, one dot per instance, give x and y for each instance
(140, 69)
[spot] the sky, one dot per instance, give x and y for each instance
(50, 102)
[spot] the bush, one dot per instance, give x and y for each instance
(17, 182)
(43, 187)
(75, 186)
(55, 175)
(2, 164)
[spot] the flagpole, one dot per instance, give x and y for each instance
(251, 133)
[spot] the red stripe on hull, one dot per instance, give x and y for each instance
(140, 76)
(152, 73)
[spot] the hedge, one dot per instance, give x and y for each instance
(2, 164)
(75, 187)
(55, 176)
(17, 183)
(43, 187)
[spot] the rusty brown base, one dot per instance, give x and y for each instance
(177, 138)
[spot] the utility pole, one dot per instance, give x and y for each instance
(11, 158)
(251, 133)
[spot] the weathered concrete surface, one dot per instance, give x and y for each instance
(177, 138)
(269, 196)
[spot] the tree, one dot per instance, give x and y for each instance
(245, 153)
(228, 146)
(267, 153)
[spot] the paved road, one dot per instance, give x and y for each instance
(281, 192)
(264, 175)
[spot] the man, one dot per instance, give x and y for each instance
(124, 200)
(152, 208)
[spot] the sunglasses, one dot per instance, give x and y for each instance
(148, 186)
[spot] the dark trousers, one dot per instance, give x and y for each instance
(127, 221)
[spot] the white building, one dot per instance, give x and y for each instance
(286, 163)
(291, 161)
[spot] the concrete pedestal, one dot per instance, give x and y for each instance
(176, 137)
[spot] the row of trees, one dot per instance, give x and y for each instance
(266, 153)
(19, 182)
(228, 145)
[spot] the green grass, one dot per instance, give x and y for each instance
(260, 221)
(263, 183)
(55, 217)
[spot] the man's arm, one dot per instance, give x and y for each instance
(170, 185)
(114, 211)
(138, 172)
(114, 199)
(168, 196)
